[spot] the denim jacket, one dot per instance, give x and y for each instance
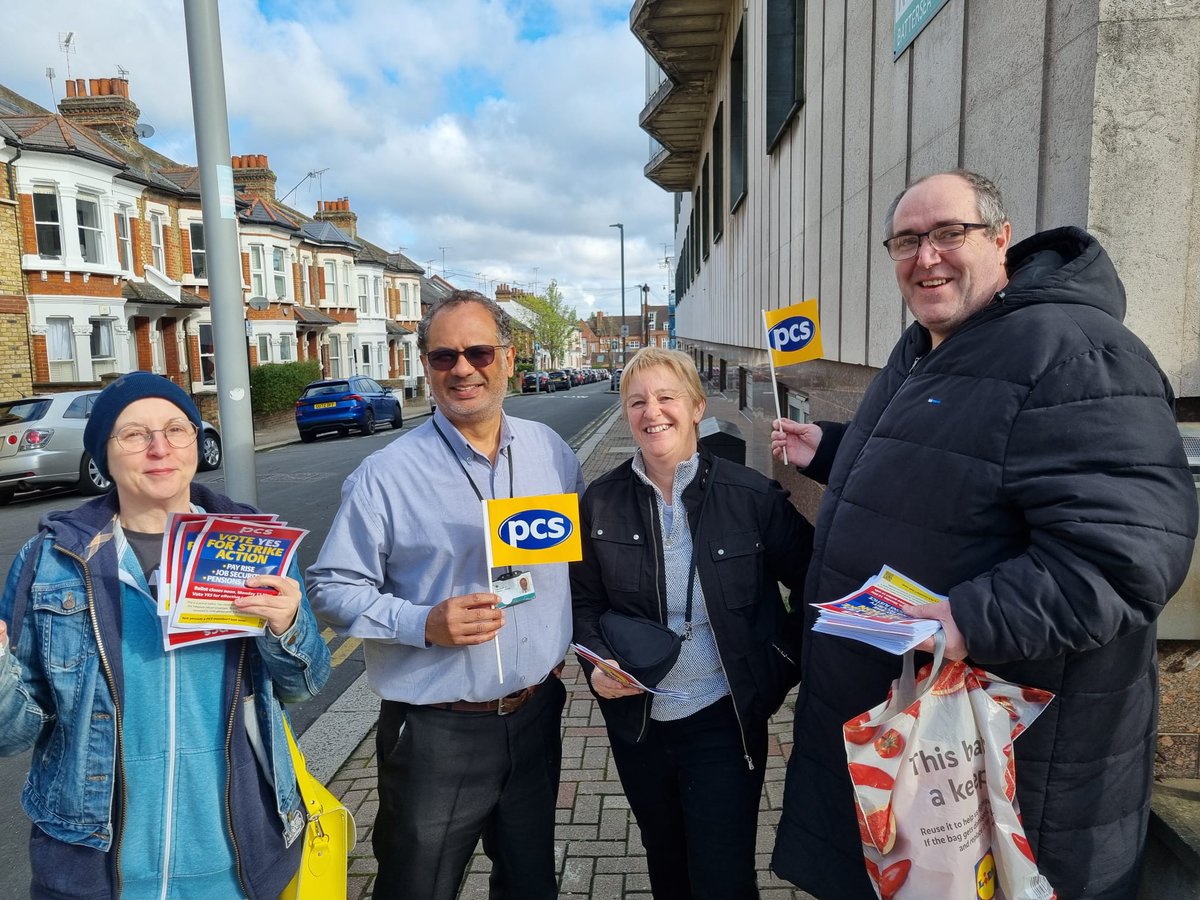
(62, 692)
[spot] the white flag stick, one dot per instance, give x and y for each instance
(487, 550)
(775, 385)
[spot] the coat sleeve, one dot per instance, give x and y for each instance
(589, 599)
(298, 659)
(822, 462)
(1096, 466)
(26, 705)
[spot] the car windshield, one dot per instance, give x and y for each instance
(22, 411)
(324, 389)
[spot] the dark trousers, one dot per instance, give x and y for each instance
(448, 778)
(696, 803)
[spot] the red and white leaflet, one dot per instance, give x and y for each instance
(619, 675)
(174, 638)
(178, 537)
(226, 553)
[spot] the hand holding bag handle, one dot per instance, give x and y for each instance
(328, 838)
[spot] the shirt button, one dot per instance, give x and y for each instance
(524, 640)
(522, 679)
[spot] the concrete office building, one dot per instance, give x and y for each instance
(785, 128)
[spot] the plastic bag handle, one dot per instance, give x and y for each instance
(907, 689)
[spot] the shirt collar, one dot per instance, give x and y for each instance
(684, 473)
(461, 446)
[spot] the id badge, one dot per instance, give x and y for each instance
(513, 588)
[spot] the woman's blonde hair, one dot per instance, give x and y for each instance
(676, 361)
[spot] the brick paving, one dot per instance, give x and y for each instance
(597, 848)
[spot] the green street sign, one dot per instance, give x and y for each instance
(911, 17)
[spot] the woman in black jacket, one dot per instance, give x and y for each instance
(699, 545)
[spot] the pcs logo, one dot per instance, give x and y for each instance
(535, 529)
(792, 334)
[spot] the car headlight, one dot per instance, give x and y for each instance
(35, 439)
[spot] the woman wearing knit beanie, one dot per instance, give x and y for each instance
(155, 773)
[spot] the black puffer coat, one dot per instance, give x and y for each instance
(1031, 468)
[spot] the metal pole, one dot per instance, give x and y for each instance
(210, 113)
(646, 315)
(624, 328)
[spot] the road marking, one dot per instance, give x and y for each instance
(328, 634)
(341, 653)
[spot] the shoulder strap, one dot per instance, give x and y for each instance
(313, 804)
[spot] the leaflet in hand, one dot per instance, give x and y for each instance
(206, 560)
(616, 673)
(873, 614)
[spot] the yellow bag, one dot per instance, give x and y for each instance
(328, 838)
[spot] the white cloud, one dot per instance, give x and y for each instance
(443, 126)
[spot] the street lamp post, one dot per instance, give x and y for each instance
(645, 315)
(621, 226)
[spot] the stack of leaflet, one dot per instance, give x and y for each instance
(873, 614)
(206, 560)
(622, 677)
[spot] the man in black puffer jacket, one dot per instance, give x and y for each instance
(1019, 453)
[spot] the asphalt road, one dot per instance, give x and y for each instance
(302, 484)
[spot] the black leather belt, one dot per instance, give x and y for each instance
(506, 705)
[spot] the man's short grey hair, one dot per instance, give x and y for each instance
(458, 298)
(988, 202)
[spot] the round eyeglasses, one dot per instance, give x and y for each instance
(943, 239)
(480, 356)
(136, 438)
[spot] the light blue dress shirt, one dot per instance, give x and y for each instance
(410, 533)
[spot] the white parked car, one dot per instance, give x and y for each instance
(41, 444)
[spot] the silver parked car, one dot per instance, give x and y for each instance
(41, 444)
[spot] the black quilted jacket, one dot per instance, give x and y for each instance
(1031, 468)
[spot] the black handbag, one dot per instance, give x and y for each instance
(645, 649)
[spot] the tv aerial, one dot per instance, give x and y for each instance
(66, 43)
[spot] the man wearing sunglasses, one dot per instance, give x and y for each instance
(1018, 453)
(468, 737)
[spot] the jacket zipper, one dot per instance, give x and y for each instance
(237, 693)
(112, 689)
(720, 659)
(651, 521)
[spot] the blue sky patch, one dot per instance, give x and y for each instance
(470, 86)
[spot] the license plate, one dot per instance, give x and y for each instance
(324, 405)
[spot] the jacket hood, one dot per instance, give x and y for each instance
(1064, 265)
(75, 528)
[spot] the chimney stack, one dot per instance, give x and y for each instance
(339, 213)
(103, 105)
(252, 175)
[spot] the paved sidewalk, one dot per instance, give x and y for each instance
(597, 846)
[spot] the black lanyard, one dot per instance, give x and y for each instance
(507, 451)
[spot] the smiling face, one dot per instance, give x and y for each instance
(662, 416)
(469, 397)
(159, 476)
(944, 289)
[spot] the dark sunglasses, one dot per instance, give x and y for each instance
(480, 356)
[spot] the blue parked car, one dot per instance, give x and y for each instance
(339, 404)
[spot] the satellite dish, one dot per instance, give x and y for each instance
(144, 130)
(259, 303)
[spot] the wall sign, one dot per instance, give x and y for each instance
(911, 17)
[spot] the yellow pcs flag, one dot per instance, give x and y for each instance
(526, 531)
(793, 333)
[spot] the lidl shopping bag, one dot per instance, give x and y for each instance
(935, 786)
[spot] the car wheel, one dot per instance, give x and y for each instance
(307, 437)
(6, 495)
(398, 417)
(90, 479)
(210, 452)
(342, 432)
(368, 425)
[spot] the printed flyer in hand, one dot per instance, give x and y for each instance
(873, 614)
(205, 562)
(619, 675)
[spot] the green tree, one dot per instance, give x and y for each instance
(552, 320)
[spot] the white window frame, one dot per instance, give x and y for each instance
(258, 274)
(90, 234)
(346, 282)
(42, 224)
(124, 241)
(208, 373)
(329, 268)
(102, 363)
(264, 348)
(62, 367)
(335, 356)
(362, 294)
(305, 275)
(285, 348)
(158, 254)
(195, 228)
(279, 272)
(377, 294)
